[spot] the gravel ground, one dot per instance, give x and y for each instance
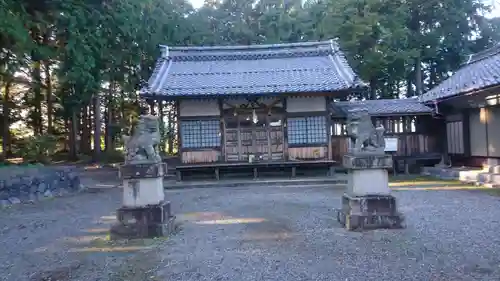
(291, 234)
(240, 234)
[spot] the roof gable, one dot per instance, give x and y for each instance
(482, 70)
(255, 69)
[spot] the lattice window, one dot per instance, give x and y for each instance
(339, 129)
(307, 130)
(200, 133)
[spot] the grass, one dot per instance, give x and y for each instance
(420, 182)
(421, 179)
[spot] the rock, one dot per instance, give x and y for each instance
(14, 200)
(75, 183)
(32, 198)
(29, 184)
(48, 194)
(42, 187)
(82, 187)
(4, 203)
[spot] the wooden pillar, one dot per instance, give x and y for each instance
(466, 132)
(179, 131)
(222, 132)
(328, 123)
(269, 143)
(162, 124)
(151, 103)
(285, 132)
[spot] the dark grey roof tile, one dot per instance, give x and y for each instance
(256, 69)
(482, 70)
(382, 107)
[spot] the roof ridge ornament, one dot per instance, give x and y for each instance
(334, 45)
(469, 59)
(164, 51)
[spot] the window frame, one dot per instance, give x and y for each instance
(200, 134)
(305, 125)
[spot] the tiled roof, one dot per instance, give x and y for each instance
(255, 69)
(381, 107)
(482, 70)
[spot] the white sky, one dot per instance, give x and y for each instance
(494, 3)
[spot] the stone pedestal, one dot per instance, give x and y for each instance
(367, 174)
(367, 202)
(145, 213)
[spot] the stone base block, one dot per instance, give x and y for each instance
(369, 212)
(143, 192)
(143, 222)
(368, 182)
(367, 161)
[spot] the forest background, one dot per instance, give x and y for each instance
(70, 70)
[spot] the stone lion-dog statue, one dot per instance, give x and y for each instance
(141, 146)
(364, 136)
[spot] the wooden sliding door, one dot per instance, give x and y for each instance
(244, 137)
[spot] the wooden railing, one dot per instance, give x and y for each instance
(408, 145)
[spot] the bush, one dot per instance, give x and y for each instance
(38, 149)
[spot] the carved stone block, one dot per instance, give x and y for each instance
(141, 171)
(367, 161)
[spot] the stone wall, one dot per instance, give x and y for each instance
(29, 184)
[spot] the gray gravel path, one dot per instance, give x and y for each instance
(451, 235)
(240, 234)
(46, 237)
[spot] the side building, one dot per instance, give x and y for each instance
(469, 102)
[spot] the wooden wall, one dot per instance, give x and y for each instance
(308, 153)
(303, 110)
(408, 145)
(415, 135)
(202, 156)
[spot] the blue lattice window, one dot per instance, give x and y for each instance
(200, 133)
(307, 130)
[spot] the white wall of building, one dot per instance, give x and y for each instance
(188, 108)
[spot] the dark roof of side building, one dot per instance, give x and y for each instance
(482, 70)
(383, 107)
(305, 67)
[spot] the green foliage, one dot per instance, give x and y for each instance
(38, 149)
(69, 51)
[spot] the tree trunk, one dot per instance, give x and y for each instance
(109, 139)
(97, 127)
(72, 130)
(49, 97)
(418, 76)
(6, 143)
(409, 87)
(85, 135)
(37, 100)
(433, 75)
(373, 89)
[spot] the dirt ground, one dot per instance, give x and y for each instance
(257, 233)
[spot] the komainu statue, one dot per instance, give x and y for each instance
(364, 136)
(140, 148)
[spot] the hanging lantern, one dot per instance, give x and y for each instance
(254, 117)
